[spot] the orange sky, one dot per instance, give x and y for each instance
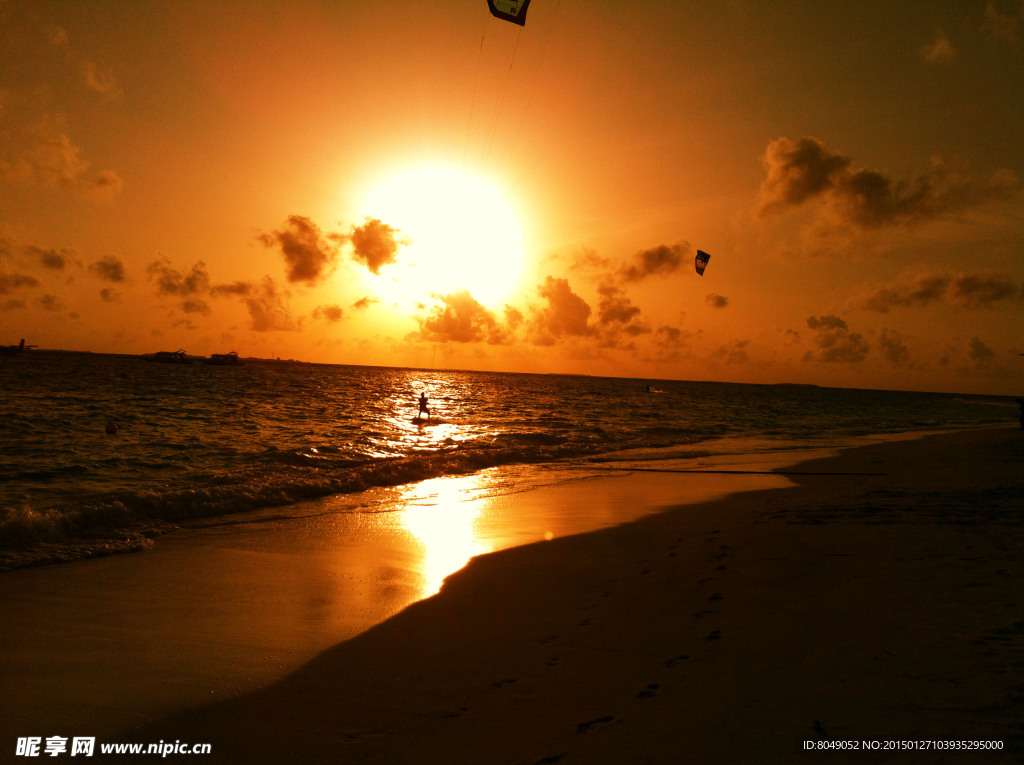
(410, 185)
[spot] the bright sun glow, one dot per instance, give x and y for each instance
(462, 233)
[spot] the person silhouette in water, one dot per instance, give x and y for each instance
(423, 406)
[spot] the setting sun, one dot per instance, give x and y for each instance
(459, 231)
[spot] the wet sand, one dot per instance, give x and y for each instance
(884, 605)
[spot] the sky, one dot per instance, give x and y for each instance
(400, 184)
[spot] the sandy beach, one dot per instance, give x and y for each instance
(878, 599)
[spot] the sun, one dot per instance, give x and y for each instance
(460, 232)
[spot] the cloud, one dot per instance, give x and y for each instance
(661, 260)
(365, 302)
(894, 350)
(100, 79)
(1003, 20)
(376, 244)
(53, 259)
(234, 288)
(979, 352)
(669, 344)
(826, 322)
(51, 303)
(109, 269)
(10, 282)
(170, 281)
(939, 51)
(978, 290)
(53, 160)
(716, 301)
(614, 306)
(982, 290)
(331, 313)
(110, 295)
(835, 342)
(196, 306)
(806, 170)
(267, 309)
(735, 352)
(309, 255)
(460, 318)
(564, 313)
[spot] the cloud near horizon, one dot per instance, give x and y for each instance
(962, 290)
(835, 342)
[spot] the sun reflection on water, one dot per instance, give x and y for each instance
(441, 514)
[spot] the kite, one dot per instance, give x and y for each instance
(701, 261)
(510, 10)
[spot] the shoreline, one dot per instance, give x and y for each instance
(661, 637)
(843, 608)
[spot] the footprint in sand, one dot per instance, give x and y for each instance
(584, 623)
(715, 597)
(553, 661)
(705, 580)
(677, 660)
(723, 567)
(503, 683)
(586, 727)
(452, 715)
(551, 760)
(649, 691)
(714, 635)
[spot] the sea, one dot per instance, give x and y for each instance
(195, 440)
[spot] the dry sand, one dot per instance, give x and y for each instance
(846, 608)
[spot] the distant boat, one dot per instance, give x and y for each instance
(8, 350)
(170, 357)
(224, 359)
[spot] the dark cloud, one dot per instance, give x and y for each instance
(375, 244)
(331, 313)
(460, 318)
(835, 341)
(235, 288)
(979, 352)
(716, 301)
(979, 290)
(982, 290)
(365, 302)
(807, 169)
(614, 306)
(921, 289)
(893, 348)
(9, 282)
(662, 260)
(196, 306)
(109, 269)
(564, 313)
(170, 281)
(797, 172)
(110, 295)
(54, 259)
(309, 254)
(734, 352)
(51, 303)
(826, 322)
